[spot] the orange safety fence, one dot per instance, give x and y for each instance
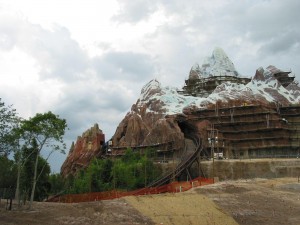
(177, 186)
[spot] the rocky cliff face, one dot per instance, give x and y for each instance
(83, 151)
(146, 124)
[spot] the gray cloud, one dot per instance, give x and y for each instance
(283, 42)
(86, 102)
(253, 31)
(132, 66)
(134, 11)
(58, 55)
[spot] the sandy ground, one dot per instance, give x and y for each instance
(181, 208)
(245, 202)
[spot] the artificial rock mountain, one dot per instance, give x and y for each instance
(87, 146)
(153, 119)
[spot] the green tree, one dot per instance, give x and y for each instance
(134, 170)
(96, 177)
(27, 157)
(7, 120)
(43, 185)
(8, 173)
(47, 131)
(14, 139)
(131, 171)
(81, 183)
(99, 175)
(57, 183)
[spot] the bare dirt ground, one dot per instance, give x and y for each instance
(245, 202)
(111, 212)
(258, 201)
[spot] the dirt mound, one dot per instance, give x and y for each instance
(181, 208)
(110, 212)
(257, 201)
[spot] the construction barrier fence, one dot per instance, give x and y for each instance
(174, 187)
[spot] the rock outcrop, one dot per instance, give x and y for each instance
(195, 72)
(146, 123)
(83, 151)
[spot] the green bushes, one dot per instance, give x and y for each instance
(130, 172)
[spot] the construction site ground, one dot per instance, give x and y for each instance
(253, 202)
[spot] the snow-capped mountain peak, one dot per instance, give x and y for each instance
(218, 64)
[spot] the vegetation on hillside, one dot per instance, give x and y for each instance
(132, 171)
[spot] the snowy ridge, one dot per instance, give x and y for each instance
(264, 88)
(267, 90)
(151, 88)
(168, 97)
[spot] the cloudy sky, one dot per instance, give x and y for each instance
(88, 60)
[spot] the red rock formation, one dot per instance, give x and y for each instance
(86, 148)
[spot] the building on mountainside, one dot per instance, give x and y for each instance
(198, 85)
(219, 69)
(281, 76)
(244, 129)
(214, 71)
(249, 131)
(203, 87)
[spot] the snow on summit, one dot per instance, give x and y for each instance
(170, 100)
(263, 87)
(218, 64)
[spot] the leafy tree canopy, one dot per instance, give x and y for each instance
(43, 130)
(8, 173)
(132, 171)
(47, 129)
(7, 121)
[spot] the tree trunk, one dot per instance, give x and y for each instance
(34, 179)
(17, 194)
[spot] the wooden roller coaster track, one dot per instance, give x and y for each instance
(186, 162)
